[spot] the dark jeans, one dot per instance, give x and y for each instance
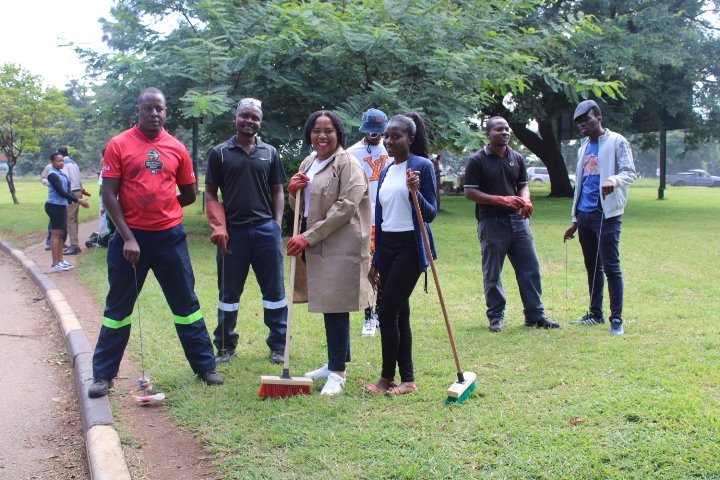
(397, 262)
(510, 235)
(337, 333)
(595, 232)
(164, 252)
(257, 244)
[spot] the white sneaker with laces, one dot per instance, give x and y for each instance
(58, 268)
(68, 266)
(335, 384)
(369, 327)
(321, 372)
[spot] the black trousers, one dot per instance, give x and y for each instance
(397, 262)
(337, 333)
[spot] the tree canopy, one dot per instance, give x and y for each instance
(650, 65)
(29, 112)
(445, 59)
(663, 52)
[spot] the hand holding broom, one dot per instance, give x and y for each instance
(466, 384)
(285, 385)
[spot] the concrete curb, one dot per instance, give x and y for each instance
(106, 460)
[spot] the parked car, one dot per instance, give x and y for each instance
(538, 175)
(695, 178)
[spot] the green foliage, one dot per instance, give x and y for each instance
(681, 156)
(657, 60)
(28, 112)
(444, 59)
(26, 223)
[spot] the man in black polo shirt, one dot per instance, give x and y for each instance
(496, 180)
(246, 228)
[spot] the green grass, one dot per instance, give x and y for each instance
(26, 223)
(647, 402)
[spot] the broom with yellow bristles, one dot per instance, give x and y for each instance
(285, 385)
(466, 383)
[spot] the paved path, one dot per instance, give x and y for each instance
(39, 416)
(156, 448)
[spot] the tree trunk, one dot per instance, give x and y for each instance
(547, 148)
(11, 183)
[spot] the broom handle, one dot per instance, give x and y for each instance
(293, 261)
(426, 241)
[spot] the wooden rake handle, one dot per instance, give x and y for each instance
(426, 241)
(291, 295)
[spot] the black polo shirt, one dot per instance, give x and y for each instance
(495, 175)
(245, 179)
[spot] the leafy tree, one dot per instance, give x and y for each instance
(28, 113)
(445, 59)
(683, 153)
(662, 51)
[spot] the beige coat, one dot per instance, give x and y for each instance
(338, 230)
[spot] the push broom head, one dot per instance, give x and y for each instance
(284, 386)
(461, 390)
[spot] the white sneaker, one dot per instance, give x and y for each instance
(376, 319)
(335, 384)
(321, 372)
(369, 327)
(68, 266)
(61, 267)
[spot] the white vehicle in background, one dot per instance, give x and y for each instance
(693, 178)
(540, 175)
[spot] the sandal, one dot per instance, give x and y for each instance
(381, 386)
(402, 389)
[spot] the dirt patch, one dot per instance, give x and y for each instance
(155, 447)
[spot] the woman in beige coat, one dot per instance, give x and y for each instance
(335, 238)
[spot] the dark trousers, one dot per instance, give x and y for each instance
(397, 263)
(164, 252)
(257, 244)
(337, 333)
(595, 232)
(510, 236)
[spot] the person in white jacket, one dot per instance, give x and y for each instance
(605, 168)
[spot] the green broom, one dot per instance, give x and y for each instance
(466, 381)
(284, 385)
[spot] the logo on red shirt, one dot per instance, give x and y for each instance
(153, 162)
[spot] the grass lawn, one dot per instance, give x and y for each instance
(565, 404)
(26, 223)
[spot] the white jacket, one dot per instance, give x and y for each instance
(615, 161)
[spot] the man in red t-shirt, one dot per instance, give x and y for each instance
(142, 169)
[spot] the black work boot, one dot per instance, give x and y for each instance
(99, 388)
(211, 377)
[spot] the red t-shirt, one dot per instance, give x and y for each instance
(150, 171)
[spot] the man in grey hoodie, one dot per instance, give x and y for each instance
(605, 168)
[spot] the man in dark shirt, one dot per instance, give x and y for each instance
(246, 228)
(496, 180)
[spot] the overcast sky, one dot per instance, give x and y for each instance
(32, 30)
